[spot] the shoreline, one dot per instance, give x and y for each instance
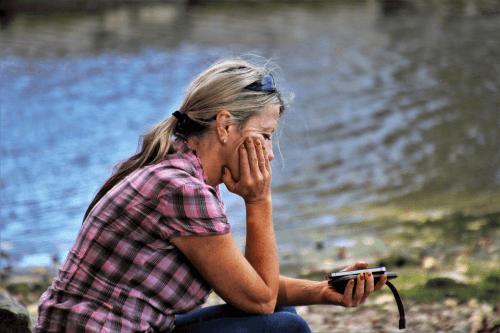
(447, 267)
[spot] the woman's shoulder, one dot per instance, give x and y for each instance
(178, 173)
(166, 177)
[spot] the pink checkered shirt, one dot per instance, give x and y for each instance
(123, 274)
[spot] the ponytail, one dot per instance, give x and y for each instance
(154, 146)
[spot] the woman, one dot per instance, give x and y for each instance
(155, 239)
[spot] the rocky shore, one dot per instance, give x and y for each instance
(381, 315)
(449, 277)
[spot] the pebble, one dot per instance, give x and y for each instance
(447, 316)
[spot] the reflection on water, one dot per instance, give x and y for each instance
(391, 105)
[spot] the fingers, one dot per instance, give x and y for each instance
(357, 265)
(252, 157)
(266, 159)
(228, 180)
(347, 302)
(260, 148)
(381, 282)
(369, 287)
(359, 290)
(360, 265)
(244, 163)
(260, 168)
(254, 179)
(354, 292)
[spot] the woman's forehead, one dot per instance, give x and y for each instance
(266, 120)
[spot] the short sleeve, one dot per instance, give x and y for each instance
(192, 209)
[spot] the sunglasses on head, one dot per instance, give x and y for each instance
(266, 84)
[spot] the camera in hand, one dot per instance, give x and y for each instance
(338, 282)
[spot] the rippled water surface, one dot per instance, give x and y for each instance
(390, 108)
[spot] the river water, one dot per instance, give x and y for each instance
(392, 107)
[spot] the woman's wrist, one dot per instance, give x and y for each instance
(301, 292)
(259, 211)
(267, 200)
(320, 291)
(325, 293)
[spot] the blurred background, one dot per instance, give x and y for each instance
(390, 152)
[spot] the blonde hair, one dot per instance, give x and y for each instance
(220, 87)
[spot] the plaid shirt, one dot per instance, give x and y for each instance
(123, 274)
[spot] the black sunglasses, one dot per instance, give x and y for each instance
(266, 84)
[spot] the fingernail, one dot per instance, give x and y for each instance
(362, 276)
(369, 274)
(258, 143)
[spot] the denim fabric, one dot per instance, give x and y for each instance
(224, 318)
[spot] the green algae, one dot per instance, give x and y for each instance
(450, 256)
(439, 288)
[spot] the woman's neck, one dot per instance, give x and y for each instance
(208, 153)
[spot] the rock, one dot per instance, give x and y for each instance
(14, 318)
(341, 253)
(376, 317)
(450, 302)
(442, 282)
(399, 260)
(455, 276)
(383, 299)
(429, 263)
(33, 310)
(475, 322)
(493, 279)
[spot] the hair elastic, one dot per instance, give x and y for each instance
(185, 125)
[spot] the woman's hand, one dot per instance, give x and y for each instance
(353, 297)
(254, 184)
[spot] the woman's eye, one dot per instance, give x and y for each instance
(266, 136)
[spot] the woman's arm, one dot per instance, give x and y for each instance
(299, 292)
(249, 282)
(260, 246)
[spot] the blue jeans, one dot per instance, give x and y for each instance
(225, 318)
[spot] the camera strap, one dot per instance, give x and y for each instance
(401, 309)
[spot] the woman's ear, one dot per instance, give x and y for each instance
(222, 125)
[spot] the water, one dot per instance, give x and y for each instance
(391, 108)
